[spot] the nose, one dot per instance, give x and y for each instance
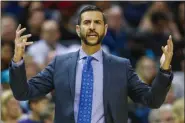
(92, 26)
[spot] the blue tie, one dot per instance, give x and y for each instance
(86, 94)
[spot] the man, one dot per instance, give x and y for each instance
(37, 107)
(49, 41)
(9, 24)
(90, 85)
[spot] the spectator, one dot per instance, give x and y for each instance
(166, 114)
(6, 55)
(37, 106)
(146, 69)
(35, 5)
(181, 18)
(49, 42)
(169, 27)
(145, 23)
(31, 67)
(9, 25)
(178, 109)
(47, 116)
(156, 37)
(116, 37)
(28, 7)
(66, 28)
(35, 21)
(10, 109)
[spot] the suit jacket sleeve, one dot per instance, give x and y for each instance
(37, 86)
(152, 96)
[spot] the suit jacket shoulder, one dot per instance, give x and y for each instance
(65, 57)
(116, 59)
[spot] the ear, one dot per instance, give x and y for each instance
(78, 30)
(106, 27)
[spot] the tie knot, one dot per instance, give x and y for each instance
(89, 59)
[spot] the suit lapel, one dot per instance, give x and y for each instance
(106, 80)
(72, 63)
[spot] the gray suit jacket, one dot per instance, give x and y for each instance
(119, 81)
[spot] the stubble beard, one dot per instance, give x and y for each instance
(85, 41)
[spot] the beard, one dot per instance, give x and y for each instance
(84, 39)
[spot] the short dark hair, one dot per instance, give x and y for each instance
(36, 100)
(91, 8)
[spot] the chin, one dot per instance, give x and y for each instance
(92, 43)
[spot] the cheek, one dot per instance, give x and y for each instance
(42, 106)
(83, 31)
(101, 30)
(14, 108)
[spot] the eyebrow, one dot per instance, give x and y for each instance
(93, 20)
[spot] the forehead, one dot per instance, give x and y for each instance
(92, 15)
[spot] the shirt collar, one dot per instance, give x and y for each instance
(97, 55)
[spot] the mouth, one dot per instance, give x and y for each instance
(92, 35)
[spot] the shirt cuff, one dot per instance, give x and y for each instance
(17, 64)
(168, 73)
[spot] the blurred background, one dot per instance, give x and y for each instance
(137, 30)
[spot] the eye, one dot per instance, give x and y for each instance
(97, 22)
(86, 22)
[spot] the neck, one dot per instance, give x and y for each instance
(89, 50)
(34, 116)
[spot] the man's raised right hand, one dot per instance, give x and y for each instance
(20, 43)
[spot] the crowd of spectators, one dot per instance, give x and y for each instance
(137, 30)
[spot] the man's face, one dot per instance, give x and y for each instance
(40, 106)
(8, 29)
(36, 19)
(149, 69)
(92, 28)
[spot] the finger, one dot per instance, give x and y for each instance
(163, 49)
(18, 28)
(169, 46)
(171, 43)
(166, 48)
(25, 36)
(28, 43)
(20, 32)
